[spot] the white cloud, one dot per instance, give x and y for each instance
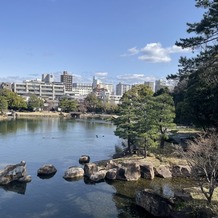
(101, 74)
(131, 52)
(155, 53)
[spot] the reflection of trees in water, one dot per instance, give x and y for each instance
(124, 197)
(32, 125)
(63, 125)
(17, 187)
(11, 126)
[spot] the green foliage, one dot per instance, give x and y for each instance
(158, 119)
(196, 94)
(127, 124)
(92, 103)
(34, 103)
(15, 102)
(145, 118)
(3, 104)
(68, 105)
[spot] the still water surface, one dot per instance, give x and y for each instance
(61, 143)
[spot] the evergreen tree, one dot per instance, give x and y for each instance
(3, 104)
(127, 126)
(197, 92)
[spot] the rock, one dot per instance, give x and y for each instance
(47, 170)
(181, 171)
(163, 171)
(111, 174)
(147, 171)
(154, 203)
(129, 171)
(73, 173)
(98, 176)
(110, 165)
(84, 159)
(25, 179)
(90, 168)
(15, 172)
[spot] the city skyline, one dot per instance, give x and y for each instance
(116, 41)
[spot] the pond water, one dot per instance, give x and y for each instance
(61, 143)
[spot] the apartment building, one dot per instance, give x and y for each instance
(122, 88)
(51, 91)
(150, 84)
(82, 88)
(97, 84)
(67, 80)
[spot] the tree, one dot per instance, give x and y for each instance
(202, 156)
(127, 122)
(3, 104)
(15, 102)
(157, 118)
(92, 103)
(68, 105)
(35, 103)
(199, 74)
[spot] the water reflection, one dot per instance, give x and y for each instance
(18, 187)
(49, 176)
(124, 196)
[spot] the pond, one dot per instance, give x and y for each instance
(61, 142)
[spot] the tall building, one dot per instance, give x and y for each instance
(47, 78)
(97, 84)
(67, 80)
(122, 88)
(159, 84)
(151, 85)
(170, 84)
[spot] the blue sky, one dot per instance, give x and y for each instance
(127, 41)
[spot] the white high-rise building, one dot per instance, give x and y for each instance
(122, 88)
(150, 85)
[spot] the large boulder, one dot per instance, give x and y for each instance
(15, 172)
(162, 171)
(129, 171)
(90, 168)
(98, 176)
(84, 159)
(181, 171)
(73, 173)
(147, 171)
(154, 203)
(46, 171)
(110, 165)
(111, 174)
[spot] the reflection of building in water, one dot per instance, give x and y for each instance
(18, 187)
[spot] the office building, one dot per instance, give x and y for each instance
(47, 91)
(67, 80)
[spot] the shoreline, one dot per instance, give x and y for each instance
(49, 114)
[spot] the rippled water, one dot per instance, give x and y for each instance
(61, 143)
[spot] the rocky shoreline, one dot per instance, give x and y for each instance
(125, 169)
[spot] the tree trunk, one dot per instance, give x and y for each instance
(129, 146)
(162, 140)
